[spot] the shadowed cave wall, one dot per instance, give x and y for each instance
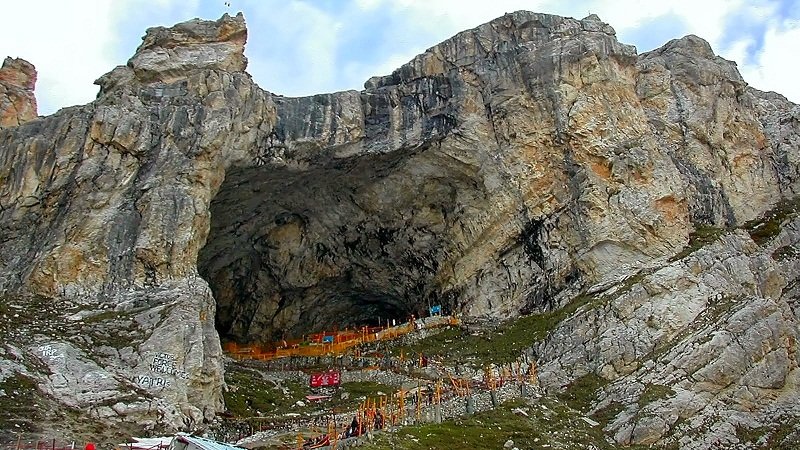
(346, 243)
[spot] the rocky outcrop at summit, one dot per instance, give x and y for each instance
(169, 54)
(17, 102)
(500, 172)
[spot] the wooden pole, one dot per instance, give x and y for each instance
(332, 434)
(455, 385)
(360, 421)
(419, 401)
(402, 404)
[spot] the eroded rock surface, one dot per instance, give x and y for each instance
(530, 154)
(17, 101)
(106, 206)
(701, 352)
(497, 173)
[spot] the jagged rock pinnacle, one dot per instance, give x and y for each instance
(17, 100)
(168, 54)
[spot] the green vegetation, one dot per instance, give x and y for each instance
(783, 436)
(359, 389)
(752, 435)
(19, 312)
(627, 284)
(784, 253)
(717, 308)
(763, 229)
(114, 330)
(699, 238)
(608, 413)
(655, 392)
(580, 393)
(20, 403)
(250, 395)
(549, 423)
(505, 343)
(103, 316)
(502, 345)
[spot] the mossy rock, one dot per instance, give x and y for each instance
(764, 229)
(699, 238)
(655, 392)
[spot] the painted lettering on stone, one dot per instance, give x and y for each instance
(166, 363)
(47, 351)
(148, 382)
(50, 352)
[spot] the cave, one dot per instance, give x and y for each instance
(340, 243)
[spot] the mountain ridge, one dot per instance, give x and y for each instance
(503, 171)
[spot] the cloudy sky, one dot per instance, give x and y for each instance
(302, 47)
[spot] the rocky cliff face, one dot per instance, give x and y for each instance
(104, 208)
(498, 173)
(528, 155)
(17, 102)
(699, 352)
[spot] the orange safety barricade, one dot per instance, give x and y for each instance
(324, 343)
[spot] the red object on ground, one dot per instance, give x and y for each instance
(90, 446)
(325, 379)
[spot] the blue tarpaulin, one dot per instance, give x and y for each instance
(436, 309)
(327, 339)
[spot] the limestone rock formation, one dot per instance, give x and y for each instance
(17, 102)
(699, 352)
(500, 172)
(104, 208)
(488, 176)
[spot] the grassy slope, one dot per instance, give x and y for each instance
(250, 395)
(550, 422)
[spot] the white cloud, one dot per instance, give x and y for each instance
(776, 66)
(300, 47)
(292, 47)
(443, 18)
(703, 18)
(70, 45)
(418, 25)
(368, 4)
(737, 51)
(356, 73)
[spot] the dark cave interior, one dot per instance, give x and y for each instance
(347, 243)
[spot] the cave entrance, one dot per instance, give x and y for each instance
(342, 245)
